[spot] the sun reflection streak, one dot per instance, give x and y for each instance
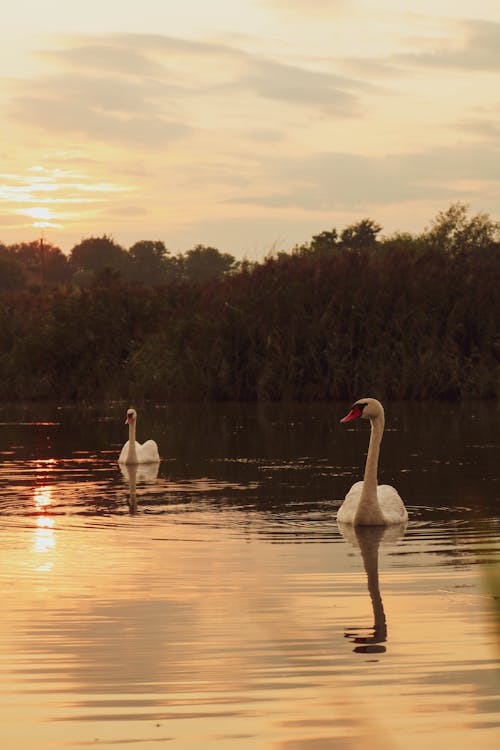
(44, 538)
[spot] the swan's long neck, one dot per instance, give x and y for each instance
(369, 510)
(132, 453)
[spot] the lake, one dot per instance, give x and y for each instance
(213, 602)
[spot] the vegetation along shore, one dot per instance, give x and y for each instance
(402, 317)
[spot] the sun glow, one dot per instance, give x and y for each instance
(43, 194)
(40, 212)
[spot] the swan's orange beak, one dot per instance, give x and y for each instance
(353, 414)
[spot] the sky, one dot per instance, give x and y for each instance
(248, 126)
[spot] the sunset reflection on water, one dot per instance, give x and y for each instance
(229, 609)
(44, 536)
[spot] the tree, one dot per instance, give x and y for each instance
(150, 263)
(324, 242)
(203, 263)
(362, 234)
(12, 273)
(454, 231)
(44, 263)
(55, 266)
(96, 253)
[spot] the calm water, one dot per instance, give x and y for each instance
(215, 603)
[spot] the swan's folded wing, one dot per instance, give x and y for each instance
(148, 452)
(392, 506)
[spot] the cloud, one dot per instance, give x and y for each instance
(171, 44)
(150, 90)
(70, 115)
(329, 181)
(472, 47)
(9, 220)
(309, 7)
(104, 57)
(55, 194)
(264, 135)
(324, 92)
(127, 210)
(258, 74)
(489, 128)
(478, 52)
(110, 108)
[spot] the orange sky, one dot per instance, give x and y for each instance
(249, 126)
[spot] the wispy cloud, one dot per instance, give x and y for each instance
(322, 91)
(487, 127)
(58, 109)
(59, 194)
(331, 181)
(310, 7)
(474, 48)
(146, 89)
(103, 57)
(466, 46)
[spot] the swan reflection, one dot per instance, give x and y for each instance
(133, 473)
(369, 539)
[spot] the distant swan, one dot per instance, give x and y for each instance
(133, 452)
(366, 503)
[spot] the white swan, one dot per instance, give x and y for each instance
(366, 503)
(133, 452)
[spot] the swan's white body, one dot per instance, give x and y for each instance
(367, 503)
(133, 452)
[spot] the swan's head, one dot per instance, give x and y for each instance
(366, 408)
(131, 416)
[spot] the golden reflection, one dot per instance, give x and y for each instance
(369, 539)
(42, 497)
(44, 535)
(44, 538)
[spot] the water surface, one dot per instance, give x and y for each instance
(215, 603)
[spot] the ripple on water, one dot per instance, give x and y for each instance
(216, 605)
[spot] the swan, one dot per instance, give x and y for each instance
(133, 452)
(367, 504)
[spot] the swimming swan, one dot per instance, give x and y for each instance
(367, 504)
(133, 452)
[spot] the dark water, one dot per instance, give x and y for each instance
(215, 603)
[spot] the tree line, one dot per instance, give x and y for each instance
(402, 317)
(32, 265)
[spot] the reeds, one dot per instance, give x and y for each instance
(400, 319)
